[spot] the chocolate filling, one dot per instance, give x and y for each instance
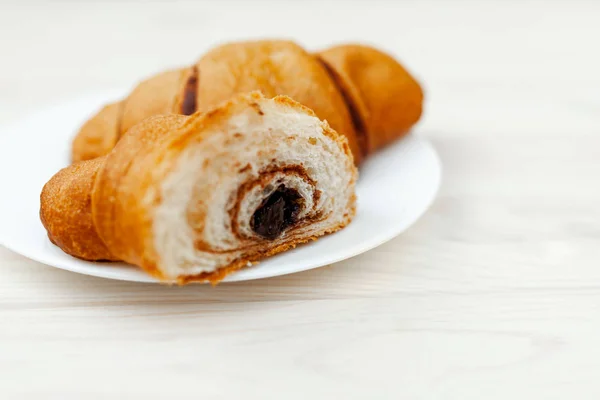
(188, 105)
(277, 213)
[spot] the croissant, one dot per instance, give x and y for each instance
(194, 198)
(361, 92)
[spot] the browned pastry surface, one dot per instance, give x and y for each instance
(362, 93)
(102, 209)
(66, 211)
(274, 68)
(99, 134)
(386, 100)
(154, 96)
(119, 215)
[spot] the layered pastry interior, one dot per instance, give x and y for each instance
(195, 198)
(272, 176)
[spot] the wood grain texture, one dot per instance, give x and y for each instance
(493, 294)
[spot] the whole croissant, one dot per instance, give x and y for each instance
(362, 93)
(195, 198)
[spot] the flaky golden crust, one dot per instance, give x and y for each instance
(123, 220)
(387, 99)
(362, 93)
(157, 95)
(99, 134)
(119, 210)
(274, 68)
(66, 211)
(104, 208)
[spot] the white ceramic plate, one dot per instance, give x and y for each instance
(395, 188)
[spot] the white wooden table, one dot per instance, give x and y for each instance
(493, 294)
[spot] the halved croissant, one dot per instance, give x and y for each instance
(195, 198)
(361, 92)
